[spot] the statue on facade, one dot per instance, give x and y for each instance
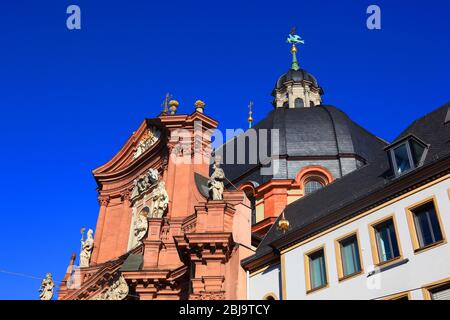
(141, 224)
(118, 291)
(215, 183)
(160, 200)
(86, 248)
(47, 287)
(143, 183)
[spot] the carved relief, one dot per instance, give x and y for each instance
(144, 183)
(149, 139)
(117, 291)
(160, 200)
(47, 287)
(141, 225)
(86, 248)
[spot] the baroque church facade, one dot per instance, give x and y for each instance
(329, 212)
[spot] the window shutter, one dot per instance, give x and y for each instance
(443, 294)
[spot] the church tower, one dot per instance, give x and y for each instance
(297, 88)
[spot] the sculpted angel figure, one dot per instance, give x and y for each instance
(141, 224)
(47, 286)
(86, 249)
(160, 200)
(215, 183)
(152, 176)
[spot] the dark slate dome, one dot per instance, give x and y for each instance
(320, 132)
(296, 76)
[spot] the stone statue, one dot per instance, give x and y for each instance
(141, 225)
(118, 291)
(152, 176)
(47, 286)
(144, 182)
(86, 249)
(215, 183)
(160, 200)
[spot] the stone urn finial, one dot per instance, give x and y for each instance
(199, 106)
(173, 106)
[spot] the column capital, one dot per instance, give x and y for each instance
(125, 195)
(103, 200)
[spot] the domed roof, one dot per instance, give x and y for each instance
(320, 132)
(296, 76)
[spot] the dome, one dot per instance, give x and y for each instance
(296, 76)
(321, 135)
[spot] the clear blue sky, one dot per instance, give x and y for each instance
(70, 99)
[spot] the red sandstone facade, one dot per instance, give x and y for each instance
(193, 251)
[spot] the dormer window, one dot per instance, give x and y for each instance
(406, 154)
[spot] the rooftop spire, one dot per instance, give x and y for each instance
(294, 39)
(165, 104)
(250, 112)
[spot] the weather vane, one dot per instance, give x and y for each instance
(294, 39)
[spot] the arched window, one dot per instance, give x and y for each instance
(250, 193)
(311, 103)
(312, 185)
(299, 103)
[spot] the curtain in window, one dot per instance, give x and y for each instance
(317, 270)
(386, 241)
(350, 256)
(402, 159)
(427, 225)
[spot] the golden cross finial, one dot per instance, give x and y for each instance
(250, 112)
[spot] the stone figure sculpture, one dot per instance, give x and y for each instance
(118, 291)
(86, 249)
(160, 200)
(141, 225)
(143, 183)
(215, 183)
(47, 287)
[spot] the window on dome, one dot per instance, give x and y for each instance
(299, 103)
(312, 185)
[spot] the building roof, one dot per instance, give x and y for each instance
(296, 76)
(360, 189)
(320, 131)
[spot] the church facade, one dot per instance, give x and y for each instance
(323, 209)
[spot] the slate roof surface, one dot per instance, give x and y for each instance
(318, 131)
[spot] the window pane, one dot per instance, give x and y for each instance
(402, 159)
(386, 241)
(299, 103)
(427, 225)
(317, 272)
(312, 185)
(417, 151)
(350, 256)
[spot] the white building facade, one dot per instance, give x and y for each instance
(389, 243)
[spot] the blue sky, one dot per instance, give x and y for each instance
(70, 99)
